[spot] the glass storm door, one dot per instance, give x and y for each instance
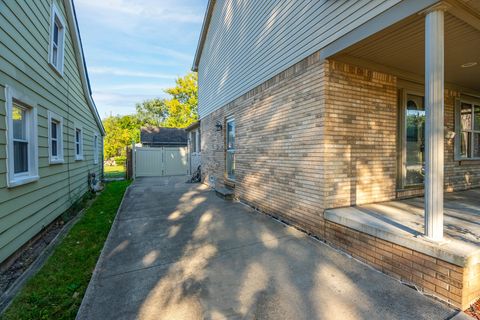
(414, 140)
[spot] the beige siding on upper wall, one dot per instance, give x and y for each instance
(249, 42)
(24, 45)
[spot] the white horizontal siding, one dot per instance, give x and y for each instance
(249, 42)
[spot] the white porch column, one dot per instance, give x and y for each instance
(434, 126)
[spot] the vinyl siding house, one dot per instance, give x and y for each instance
(338, 116)
(51, 137)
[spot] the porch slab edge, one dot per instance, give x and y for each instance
(357, 220)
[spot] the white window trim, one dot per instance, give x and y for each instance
(96, 152)
(59, 158)
(194, 144)
(14, 180)
(79, 156)
(230, 119)
(458, 133)
(56, 15)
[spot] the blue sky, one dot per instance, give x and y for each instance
(136, 48)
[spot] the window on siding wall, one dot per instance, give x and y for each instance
(230, 141)
(57, 40)
(468, 130)
(78, 143)
(95, 149)
(22, 165)
(55, 138)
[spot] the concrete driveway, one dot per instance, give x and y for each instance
(176, 251)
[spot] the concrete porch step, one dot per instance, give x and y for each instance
(225, 193)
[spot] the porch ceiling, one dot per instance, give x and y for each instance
(402, 47)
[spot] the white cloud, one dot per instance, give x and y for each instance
(109, 103)
(129, 73)
(166, 11)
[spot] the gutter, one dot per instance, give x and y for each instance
(203, 34)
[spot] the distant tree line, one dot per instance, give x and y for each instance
(178, 110)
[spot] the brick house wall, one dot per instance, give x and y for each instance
(323, 134)
(279, 150)
(360, 135)
(285, 146)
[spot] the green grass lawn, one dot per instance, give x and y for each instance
(114, 171)
(56, 291)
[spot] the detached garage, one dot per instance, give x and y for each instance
(163, 152)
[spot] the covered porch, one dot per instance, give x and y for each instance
(433, 55)
(433, 212)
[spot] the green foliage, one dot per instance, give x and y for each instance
(178, 110)
(120, 160)
(121, 131)
(56, 291)
(152, 112)
(182, 107)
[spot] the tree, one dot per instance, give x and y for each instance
(120, 132)
(152, 112)
(177, 111)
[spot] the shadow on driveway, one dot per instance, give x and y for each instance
(176, 251)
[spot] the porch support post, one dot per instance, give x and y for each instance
(434, 123)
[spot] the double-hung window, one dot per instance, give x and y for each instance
(57, 40)
(468, 130)
(22, 152)
(78, 143)
(55, 138)
(230, 161)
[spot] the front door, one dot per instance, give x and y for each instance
(413, 141)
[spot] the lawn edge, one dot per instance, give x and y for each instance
(95, 272)
(9, 296)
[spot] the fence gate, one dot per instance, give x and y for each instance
(158, 162)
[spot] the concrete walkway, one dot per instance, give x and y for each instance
(176, 251)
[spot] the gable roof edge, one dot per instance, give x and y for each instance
(203, 34)
(77, 43)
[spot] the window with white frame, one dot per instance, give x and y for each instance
(230, 141)
(193, 141)
(95, 149)
(78, 143)
(22, 152)
(57, 39)
(199, 141)
(55, 138)
(468, 130)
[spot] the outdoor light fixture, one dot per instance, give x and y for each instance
(218, 126)
(469, 64)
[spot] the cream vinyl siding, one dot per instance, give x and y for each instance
(248, 42)
(24, 65)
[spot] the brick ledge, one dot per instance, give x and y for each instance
(453, 251)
